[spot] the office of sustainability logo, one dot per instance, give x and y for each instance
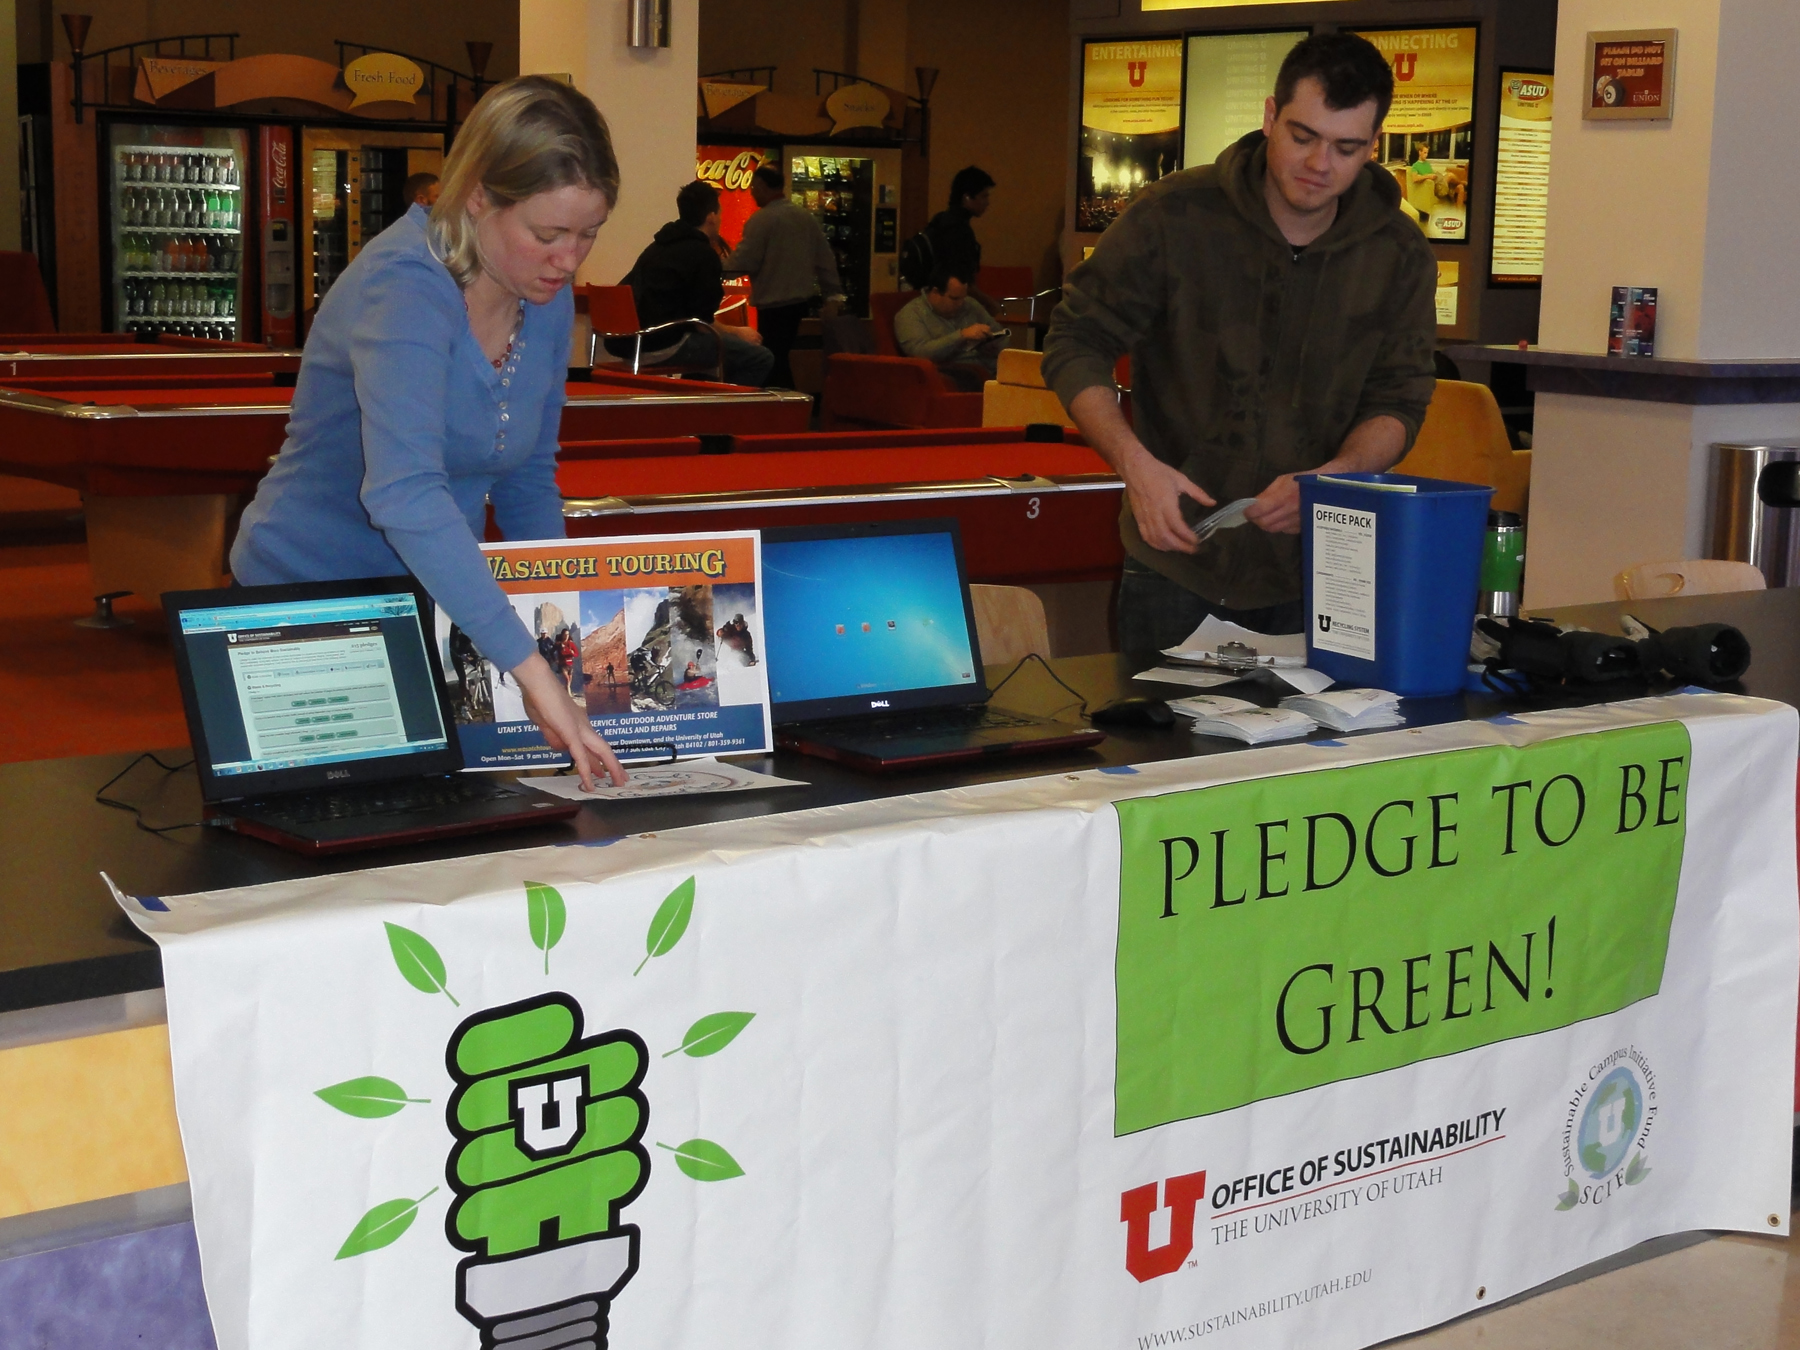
(1606, 1129)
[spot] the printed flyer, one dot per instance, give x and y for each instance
(659, 638)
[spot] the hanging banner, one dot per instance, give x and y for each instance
(1307, 1046)
(1130, 125)
(655, 637)
(1430, 130)
(1522, 181)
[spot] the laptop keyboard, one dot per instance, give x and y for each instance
(383, 799)
(940, 722)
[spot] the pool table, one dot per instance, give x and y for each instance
(1032, 511)
(161, 443)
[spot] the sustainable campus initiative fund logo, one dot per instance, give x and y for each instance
(1606, 1129)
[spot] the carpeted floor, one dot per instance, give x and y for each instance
(66, 690)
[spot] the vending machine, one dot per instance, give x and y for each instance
(175, 256)
(856, 200)
(351, 184)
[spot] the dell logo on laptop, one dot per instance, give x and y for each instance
(878, 703)
(336, 773)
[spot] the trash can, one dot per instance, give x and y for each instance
(1744, 529)
(1390, 567)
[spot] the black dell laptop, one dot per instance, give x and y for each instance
(873, 658)
(319, 719)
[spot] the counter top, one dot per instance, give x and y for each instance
(1643, 378)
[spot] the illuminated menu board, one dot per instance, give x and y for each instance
(1522, 180)
(1229, 76)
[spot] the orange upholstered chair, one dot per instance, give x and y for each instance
(1464, 439)
(888, 390)
(24, 304)
(618, 340)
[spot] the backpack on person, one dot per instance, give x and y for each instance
(918, 256)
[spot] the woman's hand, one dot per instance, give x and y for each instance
(565, 727)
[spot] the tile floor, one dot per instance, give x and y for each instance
(1725, 1293)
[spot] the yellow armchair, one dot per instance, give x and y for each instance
(1464, 439)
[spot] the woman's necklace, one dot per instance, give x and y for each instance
(518, 322)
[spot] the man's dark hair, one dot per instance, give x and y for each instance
(1351, 69)
(695, 202)
(416, 186)
(942, 275)
(969, 182)
(769, 177)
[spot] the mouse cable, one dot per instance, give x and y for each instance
(1033, 656)
(137, 816)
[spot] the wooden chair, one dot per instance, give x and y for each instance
(1695, 576)
(1009, 623)
(1464, 439)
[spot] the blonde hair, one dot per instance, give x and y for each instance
(528, 135)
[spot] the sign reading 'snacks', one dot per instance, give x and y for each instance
(1282, 933)
(1306, 1046)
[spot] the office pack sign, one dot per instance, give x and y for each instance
(656, 638)
(1305, 1046)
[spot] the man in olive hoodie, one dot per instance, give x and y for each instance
(1279, 311)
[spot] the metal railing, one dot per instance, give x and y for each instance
(763, 75)
(82, 61)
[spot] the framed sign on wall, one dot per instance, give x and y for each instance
(1630, 76)
(1130, 124)
(1429, 135)
(1522, 177)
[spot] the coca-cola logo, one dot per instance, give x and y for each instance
(278, 176)
(731, 174)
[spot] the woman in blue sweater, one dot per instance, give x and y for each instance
(433, 384)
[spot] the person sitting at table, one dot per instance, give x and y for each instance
(679, 277)
(432, 384)
(946, 327)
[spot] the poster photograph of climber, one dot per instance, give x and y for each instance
(656, 637)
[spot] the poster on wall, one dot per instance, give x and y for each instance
(1449, 286)
(657, 638)
(1431, 128)
(1522, 177)
(1229, 77)
(728, 168)
(1130, 125)
(1630, 75)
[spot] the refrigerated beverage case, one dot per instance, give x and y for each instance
(177, 220)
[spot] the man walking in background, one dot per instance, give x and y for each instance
(788, 260)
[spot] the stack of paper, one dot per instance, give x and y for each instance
(1349, 709)
(1213, 715)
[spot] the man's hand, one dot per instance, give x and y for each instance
(1153, 488)
(977, 332)
(741, 331)
(1277, 507)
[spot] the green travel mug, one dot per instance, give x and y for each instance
(1502, 565)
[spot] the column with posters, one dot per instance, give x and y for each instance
(1430, 129)
(657, 638)
(1310, 1046)
(1130, 125)
(1522, 178)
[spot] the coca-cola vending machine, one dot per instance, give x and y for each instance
(276, 184)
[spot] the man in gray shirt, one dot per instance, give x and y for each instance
(943, 325)
(788, 260)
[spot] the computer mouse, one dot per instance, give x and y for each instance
(1137, 711)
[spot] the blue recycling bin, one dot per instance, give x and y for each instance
(1390, 566)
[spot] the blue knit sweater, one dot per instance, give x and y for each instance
(401, 433)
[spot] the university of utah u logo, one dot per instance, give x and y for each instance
(1135, 71)
(1406, 65)
(1180, 1196)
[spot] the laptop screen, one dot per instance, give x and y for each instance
(867, 618)
(301, 687)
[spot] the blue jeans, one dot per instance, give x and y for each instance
(1155, 612)
(746, 362)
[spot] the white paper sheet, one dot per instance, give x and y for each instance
(1304, 679)
(690, 778)
(1204, 642)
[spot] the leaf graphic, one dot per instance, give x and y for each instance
(548, 915)
(704, 1160)
(670, 923)
(1569, 1198)
(419, 961)
(382, 1225)
(712, 1033)
(1636, 1171)
(367, 1097)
